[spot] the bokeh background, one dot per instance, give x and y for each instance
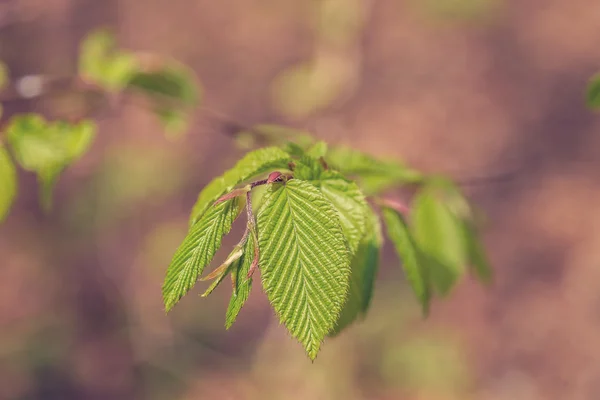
(470, 88)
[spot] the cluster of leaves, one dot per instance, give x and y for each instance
(317, 237)
(47, 147)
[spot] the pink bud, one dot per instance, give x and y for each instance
(273, 176)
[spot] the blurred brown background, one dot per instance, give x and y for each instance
(465, 87)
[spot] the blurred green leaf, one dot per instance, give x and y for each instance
(477, 256)
(310, 87)
(440, 235)
(431, 365)
(317, 150)
(173, 91)
(173, 83)
(460, 9)
(414, 262)
(459, 206)
(47, 148)
(8, 182)
(339, 21)
(39, 145)
(100, 62)
(3, 76)
(33, 149)
(593, 92)
(372, 174)
(47, 179)
(364, 267)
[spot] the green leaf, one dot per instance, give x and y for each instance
(317, 150)
(3, 76)
(94, 50)
(440, 235)
(304, 261)
(373, 175)
(414, 263)
(197, 250)
(39, 145)
(118, 71)
(593, 92)
(8, 182)
(31, 144)
(459, 206)
(364, 266)
(255, 163)
(477, 257)
(100, 62)
(344, 194)
(241, 284)
(173, 82)
(47, 148)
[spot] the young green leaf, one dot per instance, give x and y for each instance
(364, 266)
(254, 163)
(344, 194)
(241, 284)
(304, 261)
(198, 249)
(593, 92)
(8, 182)
(414, 263)
(223, 271)
(440, 235)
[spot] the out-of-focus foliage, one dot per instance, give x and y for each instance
(170, 87)
(102, 63)
(3, 75)
(46, 148)
(8, 182)
(593, 92)
(172, 92)
(330, 74)
(460, 9)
